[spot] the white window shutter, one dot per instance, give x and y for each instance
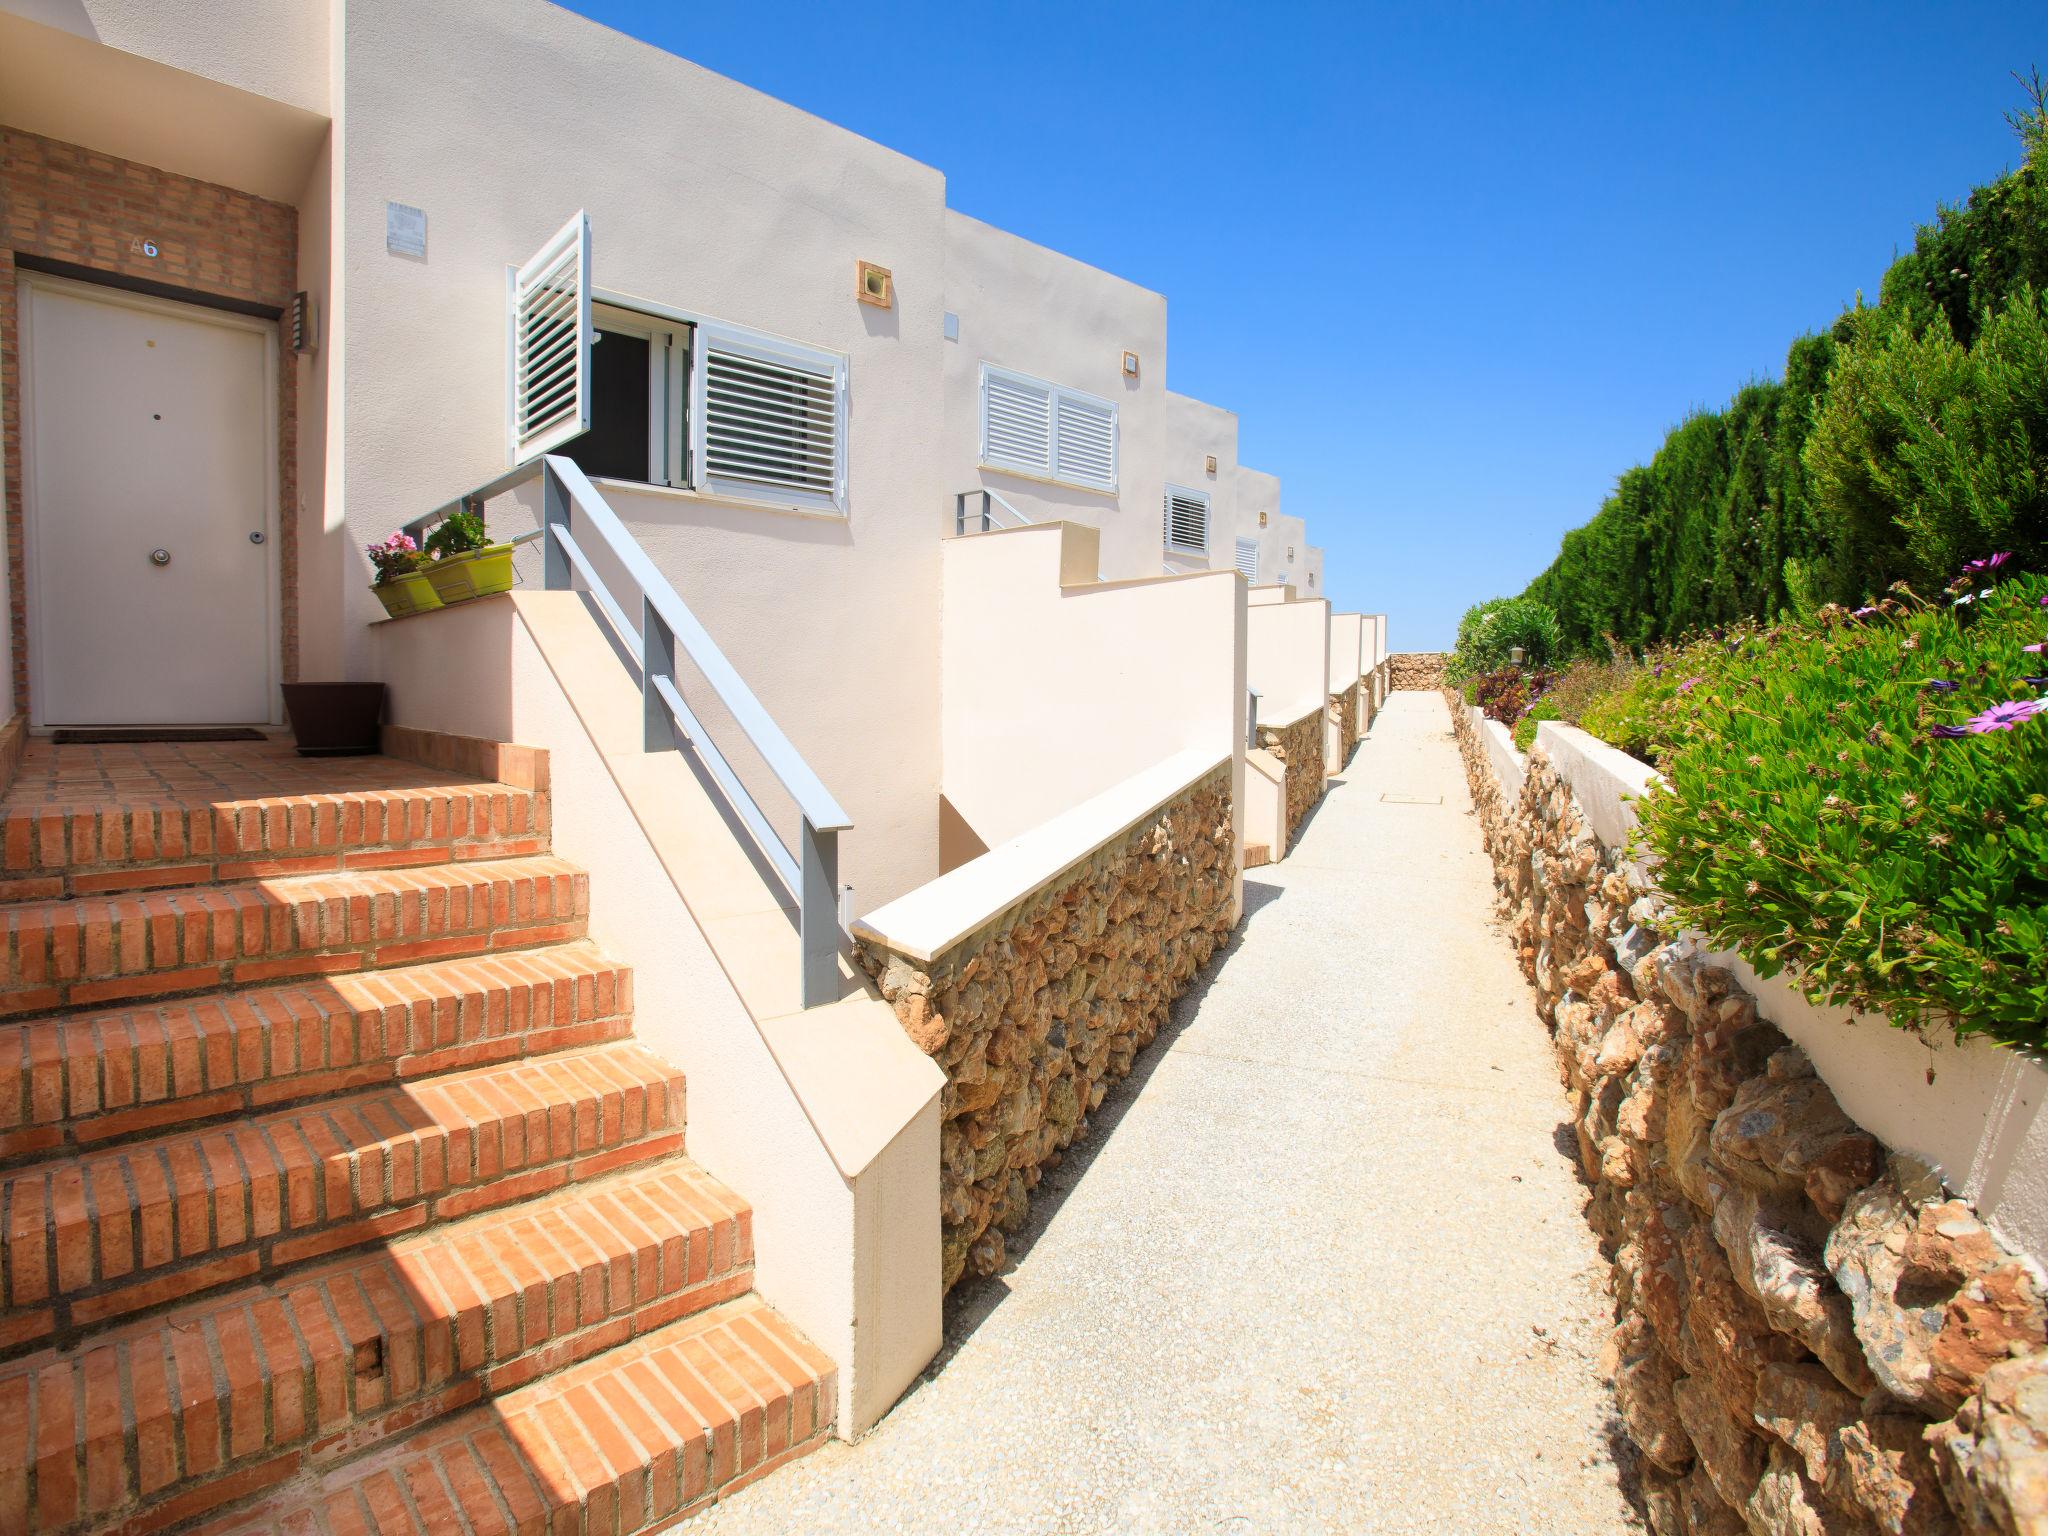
(1248, 559)
(1085, 440)
(771, 420)
(1016, 422)
(1187, 519)
(549, 352)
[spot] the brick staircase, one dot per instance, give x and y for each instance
(335, 1194)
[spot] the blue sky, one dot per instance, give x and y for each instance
(1455, 267)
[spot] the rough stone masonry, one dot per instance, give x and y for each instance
(1299, 747)
(1035, 1014)
(1810, 1336)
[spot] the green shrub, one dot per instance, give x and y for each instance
(1525, 728)
(1863, 799)
(1636, 715)
(1490, 631)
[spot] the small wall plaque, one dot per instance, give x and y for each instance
(877, 287)
(405, 230)
(1130, 365)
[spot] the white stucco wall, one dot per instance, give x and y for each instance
(1347, 649)
(274, 48)
(1055, 692)
(712, 198)
(1258, 494)
(1287, 647)
(1197, 431)
(1024, 307)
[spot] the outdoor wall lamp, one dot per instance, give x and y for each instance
(876, 286)
(1515, 654)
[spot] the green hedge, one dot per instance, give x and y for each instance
(1909, 435)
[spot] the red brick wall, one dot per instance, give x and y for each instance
(63, 203)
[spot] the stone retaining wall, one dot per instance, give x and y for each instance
(1347, 712)
(1035, 1014)
(1416, 669)
(1810, 1335)
(1300, 749)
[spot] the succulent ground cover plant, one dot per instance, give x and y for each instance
(1862, 799)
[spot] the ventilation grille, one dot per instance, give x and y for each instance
(1248, 559)
(1187, 520)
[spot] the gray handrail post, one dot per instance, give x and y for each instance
(554, 513)
(818, 914)
(1251, 719)
(657, 661)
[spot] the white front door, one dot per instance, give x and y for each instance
(151, 454)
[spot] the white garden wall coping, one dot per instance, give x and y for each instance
(1509, 766)
(1280, 716)
(938, 914)
(1971, 1108)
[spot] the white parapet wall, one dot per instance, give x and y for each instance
(1055, 686)
(1971, 1108)
(826, 1120)
(1287, 656)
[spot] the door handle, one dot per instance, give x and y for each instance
(159, 557)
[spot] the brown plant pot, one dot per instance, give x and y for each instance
(335, 719)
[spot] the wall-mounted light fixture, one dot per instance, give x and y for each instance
(1130, 365)
(304, 324)
(1262, 519)
(876, 286)
(1212, 463)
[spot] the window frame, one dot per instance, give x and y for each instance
(686, 453)
(668, 369)
(1054, 395)
(1189, 493)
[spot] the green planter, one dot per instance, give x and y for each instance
(404, 596)
(475, 573)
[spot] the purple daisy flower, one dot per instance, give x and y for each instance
(1941, 685)
(2005, 716)
(1949, 732)
(1690, 683)
(2036, 648)
(2038, 682)
(1863, 613)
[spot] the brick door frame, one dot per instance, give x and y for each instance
(73, 212)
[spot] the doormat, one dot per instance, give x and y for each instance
(123, 736)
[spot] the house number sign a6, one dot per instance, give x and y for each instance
(141, 247)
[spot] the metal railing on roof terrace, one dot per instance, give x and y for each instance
(573, 512)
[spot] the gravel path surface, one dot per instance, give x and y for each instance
(1319, 1265)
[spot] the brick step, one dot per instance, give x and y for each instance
(109, 1233)
(79, 847)
(85, 1079)
(630, 1441)
(181, 1411)
(99, 949)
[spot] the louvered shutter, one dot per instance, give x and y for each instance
(770, 421)
(549, 353)
(1016, 422)
(1085, 442)
(1248, 559)
(1187, 519)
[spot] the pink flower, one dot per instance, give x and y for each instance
(2006, 716)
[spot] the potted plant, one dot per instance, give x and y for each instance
(335, 719)
(401, 584)
(466, 563)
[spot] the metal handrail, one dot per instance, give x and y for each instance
(809, 871)
(989, 501)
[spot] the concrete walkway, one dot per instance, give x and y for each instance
(1319, 1265)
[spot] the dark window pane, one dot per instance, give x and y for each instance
(616, 444)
